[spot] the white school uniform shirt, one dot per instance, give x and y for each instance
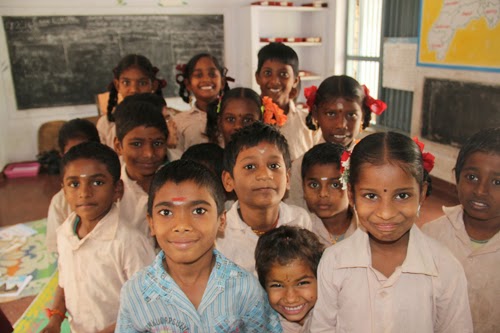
(133, 205)
(239, 241)
(426, 294)
(92, 270)
(481, 265)
(107, 131)
(299, 137)
(324, 236)
(59, 211)
(190, 128)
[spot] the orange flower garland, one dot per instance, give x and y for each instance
(272, 113)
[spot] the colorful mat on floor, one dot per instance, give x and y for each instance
(28, 256)
(34, 319)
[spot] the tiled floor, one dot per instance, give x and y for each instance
(27, 199)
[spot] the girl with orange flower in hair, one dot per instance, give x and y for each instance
(236, 109)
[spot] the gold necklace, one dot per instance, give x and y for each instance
(334, 239)
(260, 232)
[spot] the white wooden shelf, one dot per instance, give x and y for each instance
(310, 78)
(289, 8)
(300, 44)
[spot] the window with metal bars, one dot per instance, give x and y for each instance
(368, 23)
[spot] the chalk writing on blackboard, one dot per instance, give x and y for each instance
(67, 60)
(452, 111)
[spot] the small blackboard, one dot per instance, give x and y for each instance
(67, 60)
(452, 111)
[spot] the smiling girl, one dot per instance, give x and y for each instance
(388, 273)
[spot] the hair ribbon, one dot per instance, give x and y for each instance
(375, 105)
(427, 158)
(310, 95)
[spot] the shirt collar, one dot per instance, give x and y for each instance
(105, 229)
(158, 283)
(419, 258)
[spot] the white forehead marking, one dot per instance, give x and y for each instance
(340, 106)
(177, 203)
(324, 178)
(261, 151)
(83, 176)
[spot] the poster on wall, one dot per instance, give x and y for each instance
(460, 34)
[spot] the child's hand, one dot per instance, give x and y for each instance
(172, 134)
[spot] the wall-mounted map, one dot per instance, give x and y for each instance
(462, 34)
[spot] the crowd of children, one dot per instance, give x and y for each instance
(247, 188)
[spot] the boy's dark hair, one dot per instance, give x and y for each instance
(278, 52)
(216, 108)
(139, 110)
(340, 86)
(208, 154)
(388, 147)
(321, 154)
(97, 152)
(283, 245)
(250, 136)
(77, 129)
(485, 141)
(188, 70)
(129, 61)
(186, 170)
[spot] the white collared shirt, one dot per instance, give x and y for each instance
(427, 293)
(481, 265)
(239, 241)
(93, 269)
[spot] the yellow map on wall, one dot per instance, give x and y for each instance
(460, 33)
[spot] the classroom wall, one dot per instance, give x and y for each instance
(18, 129)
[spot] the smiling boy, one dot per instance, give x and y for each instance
(141, 136)
(257, 169)
(98, 252)
(471, 230)
(278, 77)
(191, 287)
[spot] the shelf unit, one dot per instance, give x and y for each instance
(285, 22)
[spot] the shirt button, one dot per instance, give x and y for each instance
(383, 294)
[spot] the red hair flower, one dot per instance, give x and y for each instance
(375, 105)
(272, 114)
(345, 160)
(310, 95)
(427, 158)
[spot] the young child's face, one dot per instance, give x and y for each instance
(206, 81)
(479, 187)
(260, 177)
(340, 120)
(292, 290)
(89, 189)
(143, 150)
(238, 113)
(276, 80)
(387, 200)
(134, 81)
(185, 222)
(323, 191)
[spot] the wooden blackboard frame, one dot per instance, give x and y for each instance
(67, 59)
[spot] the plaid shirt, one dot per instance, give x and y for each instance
(233, 302)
